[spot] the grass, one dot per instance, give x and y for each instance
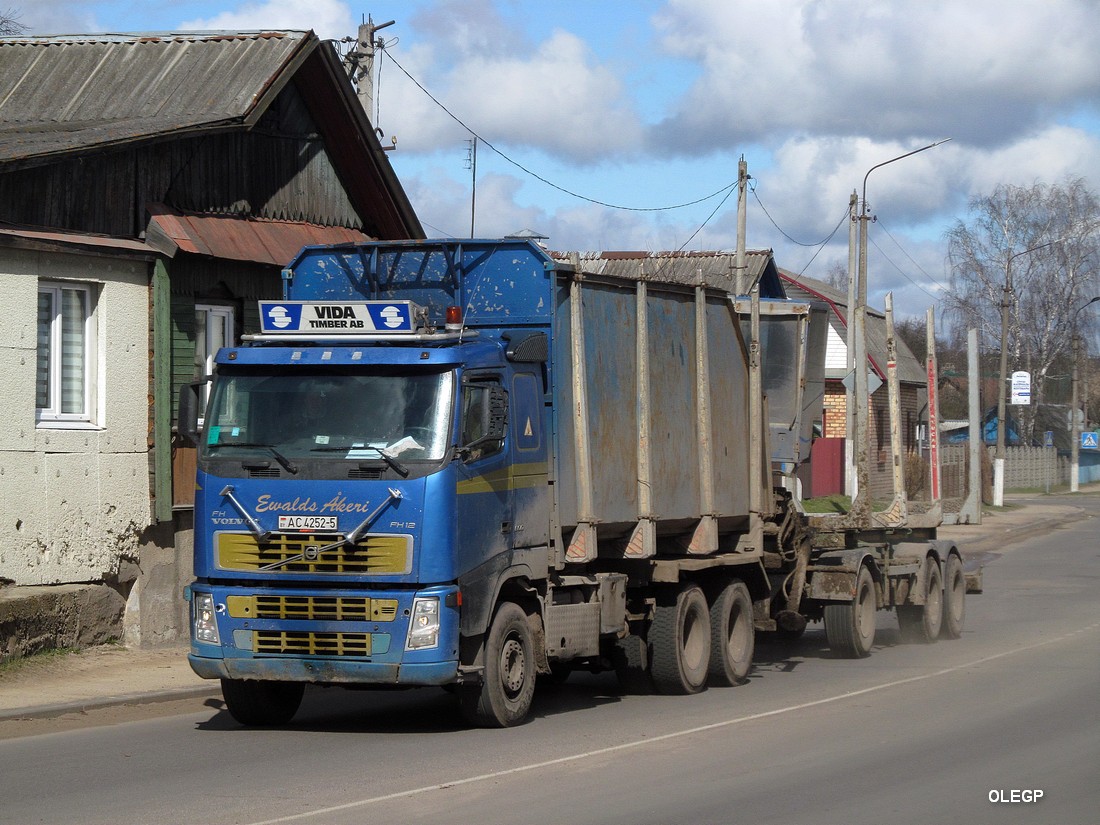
(17, 663)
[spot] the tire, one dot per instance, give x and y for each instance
(920, 623)
(262, 703)
(850, 627)
(631, 661)
(954, 599)
(680, 643)
(503, 698)
(732, 636)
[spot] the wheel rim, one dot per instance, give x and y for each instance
(934, 601)
(739, 635)
(695, 640)
(512, 666)
(865, 611)
(958, 588)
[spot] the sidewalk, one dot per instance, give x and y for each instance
(55, 685)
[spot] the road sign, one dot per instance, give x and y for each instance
(1048, 439)
(1021, 388)
(1089, 441)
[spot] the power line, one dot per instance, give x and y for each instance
(910, 257)
(725, 189)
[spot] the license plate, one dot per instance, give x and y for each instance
(307, 522)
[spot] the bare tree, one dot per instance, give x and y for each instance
(1037, 247)
(10, 25)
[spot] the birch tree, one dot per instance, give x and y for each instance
(1038, 249)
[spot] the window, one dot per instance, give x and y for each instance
(213, 330)
(65, 380)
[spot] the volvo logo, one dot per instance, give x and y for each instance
(312, 551)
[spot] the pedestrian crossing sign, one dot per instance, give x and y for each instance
(1089, 441)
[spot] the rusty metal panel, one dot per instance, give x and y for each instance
(240, 239)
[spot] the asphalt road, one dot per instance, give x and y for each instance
(912, 734)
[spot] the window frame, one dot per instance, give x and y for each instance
(53, 414)
(226, 315)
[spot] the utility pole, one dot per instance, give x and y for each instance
(850, 395)
(1075, 428)
(742, 208)
(361, 61)
(471, 160)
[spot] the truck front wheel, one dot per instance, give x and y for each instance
(731, 636)
(680, 640)
(504, 696)
(262, 703)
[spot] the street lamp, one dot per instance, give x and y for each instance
(999, 456)
(857, 344)
(1075, 436)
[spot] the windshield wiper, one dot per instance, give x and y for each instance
(391, 462)
(286, 463)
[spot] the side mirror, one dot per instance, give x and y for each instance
(489, 419)
(188, 415)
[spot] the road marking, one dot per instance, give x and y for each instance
(638, 743)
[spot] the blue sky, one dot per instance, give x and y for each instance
(651, 103)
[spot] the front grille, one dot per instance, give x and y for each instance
(374, 554)
(264, 472)
(314, 644)
(360, 473)
(313, 608)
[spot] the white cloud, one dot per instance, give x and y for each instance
(45, 17)
(329, 18)
(553, 95)
(984, 70)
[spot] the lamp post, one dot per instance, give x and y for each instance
(861, 505)
(1075, 430)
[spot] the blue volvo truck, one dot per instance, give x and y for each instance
(468, 464)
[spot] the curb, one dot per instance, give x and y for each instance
(99, 702)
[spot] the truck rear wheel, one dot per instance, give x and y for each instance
(680, 642)
(920, 623)
(850, 627)
(262, 703)
(731, 636)
(954, 599)
(504, 696)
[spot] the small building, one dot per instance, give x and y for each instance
(152, 187)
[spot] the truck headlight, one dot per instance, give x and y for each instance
(204, 624)
(424, 625)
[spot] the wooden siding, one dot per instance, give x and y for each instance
(278, 170)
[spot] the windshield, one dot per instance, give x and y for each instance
(337, 413)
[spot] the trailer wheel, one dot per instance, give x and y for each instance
(920, 623)
(262, 703)
(850, 626)
(504, 696)
(954, 599)
(731, 636)
(680, 640)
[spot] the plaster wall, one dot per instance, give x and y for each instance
(74, 499)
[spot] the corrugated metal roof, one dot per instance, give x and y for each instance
(240, 239)
(62, 93)
(717, 269)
